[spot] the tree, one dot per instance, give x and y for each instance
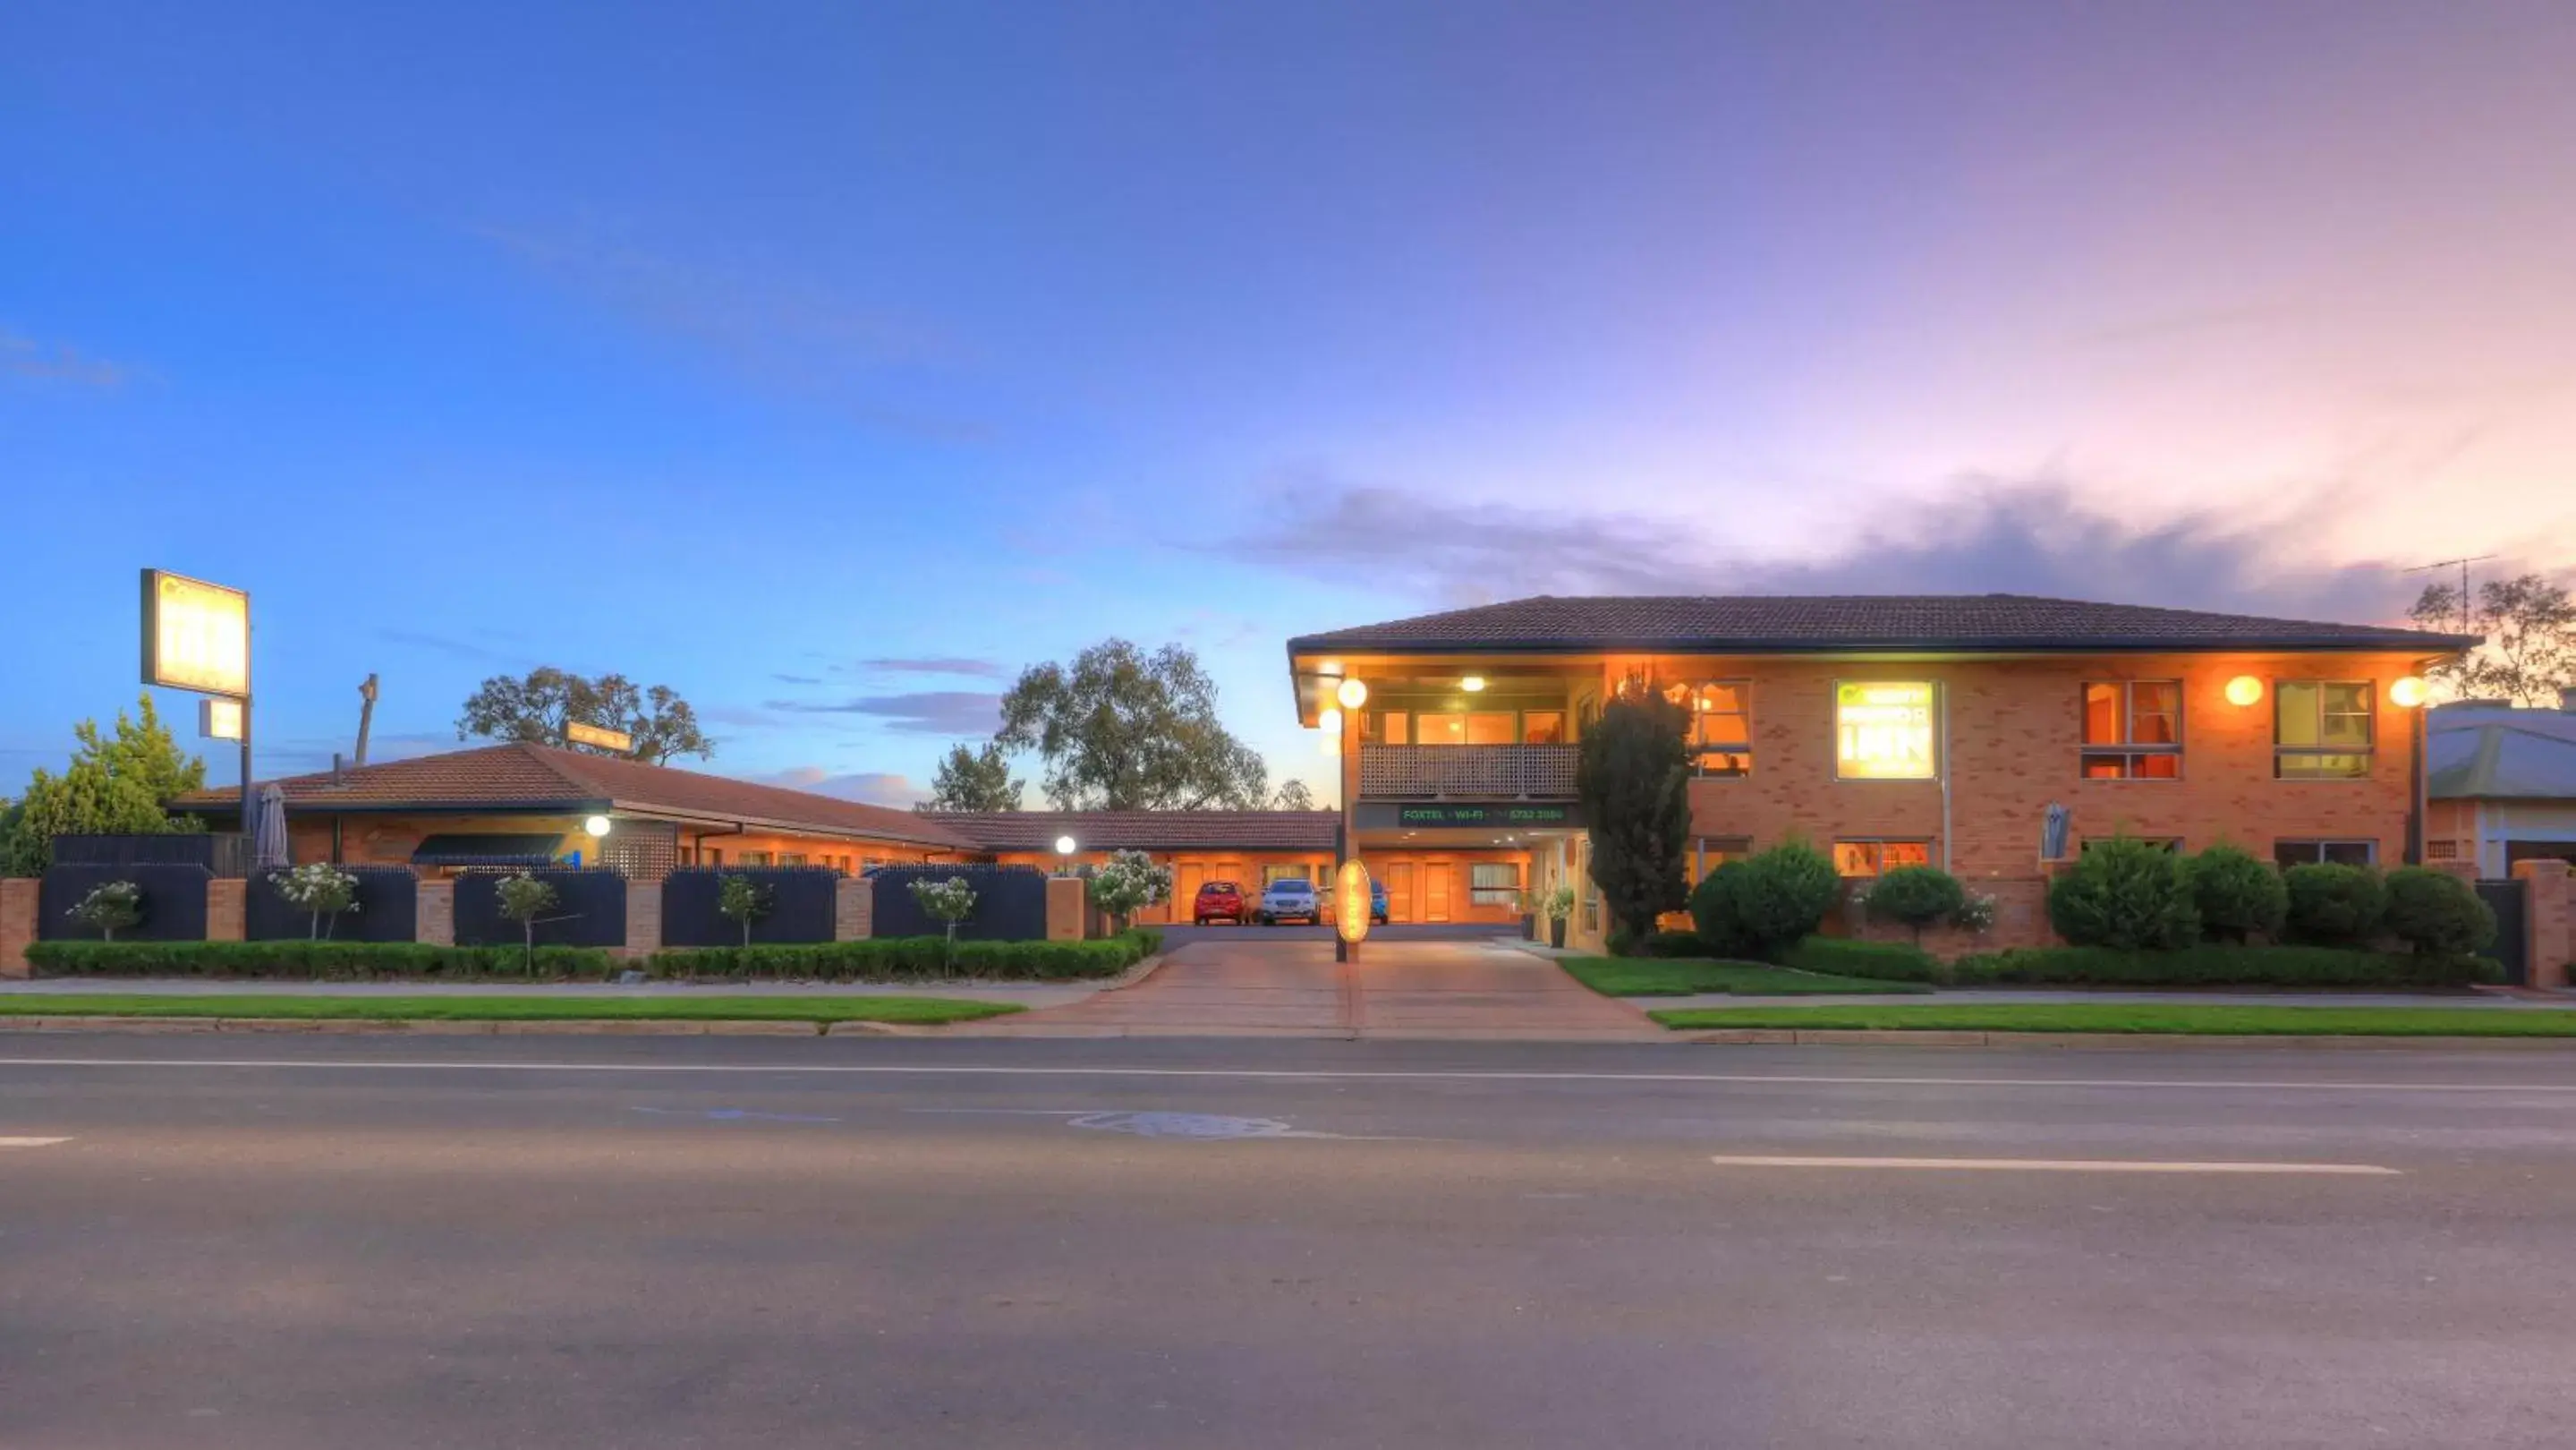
(1293, 796)
(536, 707)
(524, 899)
(115, 785)
(1634, 780)
(320, 889)
(1916, 897)
(2529, 625)
(741, 900)
(1129, 883)
(947, 902)
(111, 907)
(1126, 731)
(977, 780)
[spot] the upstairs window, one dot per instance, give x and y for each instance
(2321, 729)
(2132, 730)
(1721, 728)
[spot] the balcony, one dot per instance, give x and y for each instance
(1467, 772)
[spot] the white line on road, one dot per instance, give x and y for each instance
(2062, 1165)
(1291, 1074)
(31, 1142)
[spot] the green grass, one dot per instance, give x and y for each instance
(1685, 976)
(915, 1010)
(2183, 1019)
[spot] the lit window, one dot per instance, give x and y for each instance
(1543, 727)
(1270, 873)
(1710, 852)
(792, 858)
(1491, 727)
(1494, 883)
(1386, 727)
(1429, 729)
(2331, 853)
(1883, 730)
(755, 858)
(1721, 729)
(2144, 718)
(1872, 858)
(2321, 729)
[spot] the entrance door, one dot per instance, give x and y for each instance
(1399, 891)
(1436, 879)
(1186, 878)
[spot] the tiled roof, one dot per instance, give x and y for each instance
(1146, 830)
(525, 777)
(2489, 753)
(1754, 624)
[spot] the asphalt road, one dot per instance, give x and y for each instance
(593, 1242)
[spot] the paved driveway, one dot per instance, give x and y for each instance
(1257, 984)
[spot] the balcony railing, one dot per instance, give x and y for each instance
(1467, 772)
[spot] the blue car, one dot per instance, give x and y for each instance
(1377, 903)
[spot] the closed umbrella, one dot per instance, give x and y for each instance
(268, 831)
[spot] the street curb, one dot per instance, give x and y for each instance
(2096, 1041)
(428, 1027)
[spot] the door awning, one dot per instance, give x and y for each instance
(463, 849)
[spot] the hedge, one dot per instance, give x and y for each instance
(878, 959)
(1884, 961)
(312, 960)
(2217, 966)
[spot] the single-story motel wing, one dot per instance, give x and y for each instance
(1885, 729)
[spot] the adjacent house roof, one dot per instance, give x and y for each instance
(2491, 753)
(517, 777)
(1146, 830)
(1784, 624)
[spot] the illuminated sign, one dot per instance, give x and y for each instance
(1499, 815)
(576, 733)
(1351, 905)
(196, 636)
(219, 719)
(1883, 731)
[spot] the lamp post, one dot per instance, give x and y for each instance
(1064, 847)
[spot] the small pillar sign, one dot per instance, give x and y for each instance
(1351, 904)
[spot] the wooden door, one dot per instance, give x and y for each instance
(1436, 879)
(1399, 891)
(1186, 877)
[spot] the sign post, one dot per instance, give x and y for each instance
(196, 637)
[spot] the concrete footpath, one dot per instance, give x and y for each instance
(1988, 997)
(1024, 994)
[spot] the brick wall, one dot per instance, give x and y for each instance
(643, 919)
(1064, 908)
(17, 923)
(854, 905)
(437, 913)
(2551, 910)
(227, 908)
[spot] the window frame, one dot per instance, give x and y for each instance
(2128, 750)
(1701, 751)
(1495, 895)
(2368, 844)
(1879, 866)
(2366, 757)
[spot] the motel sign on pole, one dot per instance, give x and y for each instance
(196, 637)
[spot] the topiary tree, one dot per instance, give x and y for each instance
(1765, 904)
(524, 899)
(1917, 896)
(948, 902)
(319, 889)
(2437, 914)
(2238, 895)
(2124, 894)
(110, 906)
(2335, 905)
(1127, 883)
(741, 900)
(1634, 779)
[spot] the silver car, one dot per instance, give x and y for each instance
(1290, 898)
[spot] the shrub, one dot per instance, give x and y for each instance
(2213, 965)
(1976, 913)
(523, 899)
(1714, 913)
(313, 960)
(2333, 905)
(2238, 896)
(111, 906)
(912, 958)
(2125, 894)
(1128, 884)
(741, 900)
(1917, 897)
(1881, 961)
(319, 889)
(1674, 944)
(2437, 914)
(1762, 905)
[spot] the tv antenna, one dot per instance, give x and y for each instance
(2464, 581)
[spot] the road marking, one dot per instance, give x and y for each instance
(1268, 1074)
(31, 1142)
(2062, 1165)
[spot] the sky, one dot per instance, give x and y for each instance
(830, 363)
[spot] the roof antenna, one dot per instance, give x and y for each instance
(366, 715)
(2464, 581)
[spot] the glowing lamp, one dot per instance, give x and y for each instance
(2409, 692)
(1064, 845)
(1329, 721)
(1351, 904)
(2244, 690)
(595, 827)
(1472, 684)
(1352, 694)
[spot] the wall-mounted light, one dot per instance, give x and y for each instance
(1329, 721)
(1064, 845)
(2409, 692)
(1472, 684)
(2244, 690)
(1352, 694)
(595, 827)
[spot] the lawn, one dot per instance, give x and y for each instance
(1685, 976)
(914, 1010)
(2181, 1018)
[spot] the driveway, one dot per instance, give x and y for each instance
(1260, 984)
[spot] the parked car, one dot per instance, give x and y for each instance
(1377, 903)
(1218, 901)
(1290, 898)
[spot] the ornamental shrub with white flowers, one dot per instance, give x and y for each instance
(523, 899)
(111, 906)
(319, 889)
(1129, 883)
(950, 902)
(742, 900)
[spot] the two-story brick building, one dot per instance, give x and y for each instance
(1887, 729)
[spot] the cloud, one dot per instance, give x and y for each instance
(1991, 535)
(926, 712)
(26, 358)
(936, 665)
(739, 716)
(870, 787)
(797, 679)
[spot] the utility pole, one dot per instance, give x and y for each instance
(366, 714)
(2467, 610)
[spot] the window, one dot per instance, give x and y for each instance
(2145, 717)
(2321, 729)
(2335, 853)
(1494, 883)
(1443, 729)
(713, 855)
(1543, 727)
(1285, 873)
(792, 858)
(1386, 727)
(755, 858)
(688, 856)
(1491, 727)
(1870, 858)
(1710, 852)
(1721, 729)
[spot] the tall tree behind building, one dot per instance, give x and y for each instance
(1123, 730)
(535, 708)
(116, 784)
(2530, 629)
(975, 779)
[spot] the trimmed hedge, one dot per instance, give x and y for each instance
(2239, 896)
(1883, 961)
(2437, 914)
(2335, 905)
(901, 958)
(313, 960)
(1674, 944)
(2218, 966)
(2124, 894)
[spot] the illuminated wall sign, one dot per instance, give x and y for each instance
(196, 636)
(1883, 730)
(1351, 904)
(576, 733)
(1494, 815)
(219, 719)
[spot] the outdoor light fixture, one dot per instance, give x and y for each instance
(2244, 690)
(1330, 721)
(1352, 694)
(2409, 692)
(595, 827)
(1064, 845)
(1472, 684)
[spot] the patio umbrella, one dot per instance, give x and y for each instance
(268, 831)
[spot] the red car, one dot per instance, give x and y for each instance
(1218, 901)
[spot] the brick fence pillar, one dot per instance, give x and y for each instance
(227, 909)
(435, 921)
(1064, 903)
(17, 924)
(643, 919)
(854, 908)
(2549, 908)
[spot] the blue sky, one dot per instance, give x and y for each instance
(831, 362)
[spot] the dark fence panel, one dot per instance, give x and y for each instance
(174, 901)
(388, 909)
(2511, 902)
(1010, 902)
(224, 855)
(589, 910)
(800, 905)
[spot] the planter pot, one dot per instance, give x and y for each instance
(1529, 928)
(1556, 932)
